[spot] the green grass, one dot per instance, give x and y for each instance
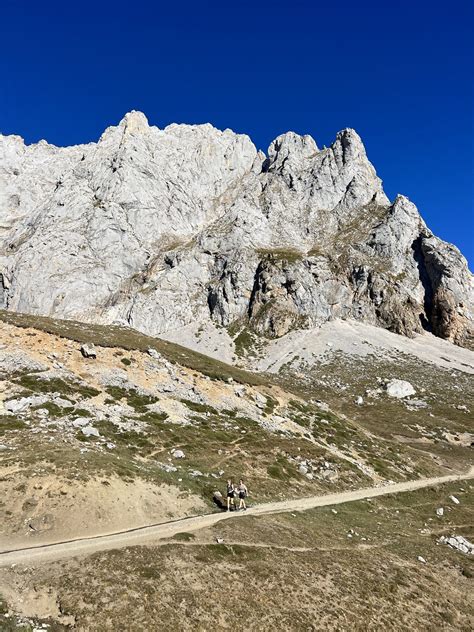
(229, 413)
(270, 405)
(65, 388)
(133, 440)
(135, 399)
(151, 417)
(300, 406)
(54, 410)
(275, 471)
(244, 342)
(301, 420)
(8, 423)
(81, 412)
(247, 343)
(184, 536)
(285, 255)
(198, 408)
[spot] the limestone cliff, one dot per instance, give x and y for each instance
(162, 228)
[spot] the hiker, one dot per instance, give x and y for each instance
(230, 494)
(243, 493)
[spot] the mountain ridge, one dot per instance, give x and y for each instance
(162, 228)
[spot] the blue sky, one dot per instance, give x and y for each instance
(398, 72)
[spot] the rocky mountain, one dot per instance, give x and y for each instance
(162, 229)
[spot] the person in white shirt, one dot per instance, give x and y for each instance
(243, 493)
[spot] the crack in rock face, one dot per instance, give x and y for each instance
(162, 228)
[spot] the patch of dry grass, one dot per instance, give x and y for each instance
(296, 571)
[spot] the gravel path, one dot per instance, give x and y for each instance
(149, 534)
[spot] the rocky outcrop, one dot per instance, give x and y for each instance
(162, 228)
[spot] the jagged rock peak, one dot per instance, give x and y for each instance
(351, 143)
(162, 228)
(134, 122)
(296, 148)
(291, 143)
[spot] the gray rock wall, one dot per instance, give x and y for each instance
(162, 228)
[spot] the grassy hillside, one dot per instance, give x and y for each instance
(88, 446)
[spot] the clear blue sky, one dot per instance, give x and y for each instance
(399, 72)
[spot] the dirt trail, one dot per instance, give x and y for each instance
(149, 534)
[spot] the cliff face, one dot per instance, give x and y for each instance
(162, 228)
